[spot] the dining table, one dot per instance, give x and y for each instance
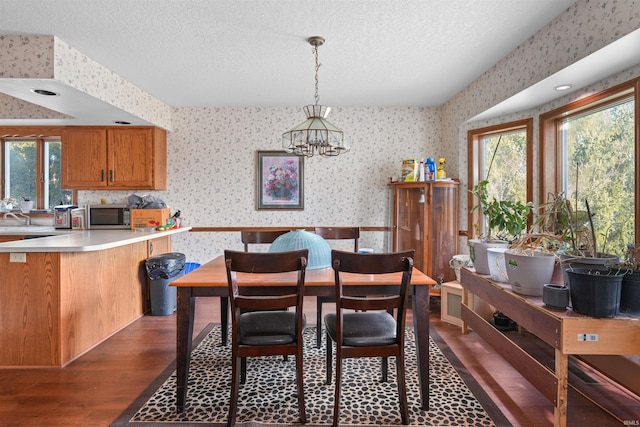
(210, 280)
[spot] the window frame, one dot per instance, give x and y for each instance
(474, 139)
(40, 135)
(551, 149)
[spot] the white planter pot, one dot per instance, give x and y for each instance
(459, 261)
(497, 264)
(528, 274)
(26, 206)
(478, 251)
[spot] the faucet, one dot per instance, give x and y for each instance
(21, 218)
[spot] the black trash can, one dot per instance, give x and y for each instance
(162, 270)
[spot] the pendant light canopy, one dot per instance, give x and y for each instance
(316, 134)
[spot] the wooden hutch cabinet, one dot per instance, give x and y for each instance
(425, 218)
(98, 158)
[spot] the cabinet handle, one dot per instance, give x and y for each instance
(102, 175)
(150, 248)
(110, 175)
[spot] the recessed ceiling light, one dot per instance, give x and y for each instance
(121, 122)
(563, 87)
(44, 92)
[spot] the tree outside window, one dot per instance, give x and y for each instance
(32, 171)
(500, 155)
(600, 170)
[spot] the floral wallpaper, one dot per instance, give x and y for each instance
(14, 108)
(32, 57)
(81, 72)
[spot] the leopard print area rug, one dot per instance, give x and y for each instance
(269, 395)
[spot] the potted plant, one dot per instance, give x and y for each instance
(573, 235)
(506, 220)
(6, 204)
(593, 277)
(26, 205)
(630, 289)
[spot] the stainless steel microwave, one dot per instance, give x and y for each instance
(108, 217)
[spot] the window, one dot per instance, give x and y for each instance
(499, 154)
(31, 170)
(591, 147)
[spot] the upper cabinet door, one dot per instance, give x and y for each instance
(84, 158)
(95, 158)
(130, 154)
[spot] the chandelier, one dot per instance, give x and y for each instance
(316, 134)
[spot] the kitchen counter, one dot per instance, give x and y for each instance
(61, 240)
(64, 294)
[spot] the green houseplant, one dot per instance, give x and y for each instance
(506, 220)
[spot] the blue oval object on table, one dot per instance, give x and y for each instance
(319, 249)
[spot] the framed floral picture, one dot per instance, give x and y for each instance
(279, 181)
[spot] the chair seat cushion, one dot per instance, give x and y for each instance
(371, 328)
(269, 327)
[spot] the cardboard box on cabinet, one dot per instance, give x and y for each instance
(142, 218)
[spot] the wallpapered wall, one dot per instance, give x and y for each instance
(212, 164)
(212, 150)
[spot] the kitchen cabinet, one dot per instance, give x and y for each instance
(71, 292)
(155, 247)
(10, 238)
(159, 246)
(95, 158)
(424, 217)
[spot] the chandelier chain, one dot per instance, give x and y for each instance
(315, 51)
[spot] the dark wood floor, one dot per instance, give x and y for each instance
(96, 388)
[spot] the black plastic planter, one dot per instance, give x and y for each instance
(595, 293)
(630, 293)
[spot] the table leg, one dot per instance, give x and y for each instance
(560, 406)
(421, 328)
(466, 300)
(184, 334)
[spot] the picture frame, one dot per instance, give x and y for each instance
(279, 181)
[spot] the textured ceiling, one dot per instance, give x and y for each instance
(254, 52)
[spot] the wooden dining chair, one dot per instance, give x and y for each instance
(332, 233)
(364, 326)
(247, 238)
(262, 323)
(257, 237)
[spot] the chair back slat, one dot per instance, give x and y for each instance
(255, 237)
(380, 263)
(267, 262)
(266, 302)
(371, 302)
(340, 233)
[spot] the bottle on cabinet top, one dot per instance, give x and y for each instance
(430, 169)
(441, 173)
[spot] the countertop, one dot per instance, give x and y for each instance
(58, 240)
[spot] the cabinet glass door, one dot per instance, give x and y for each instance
(411, 223)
